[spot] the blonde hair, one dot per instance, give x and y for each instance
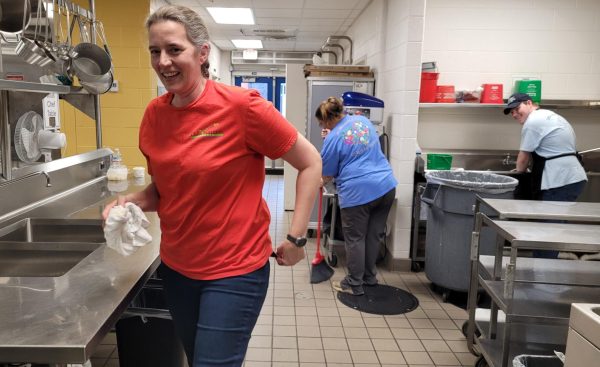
(330, 109)
(194, 26)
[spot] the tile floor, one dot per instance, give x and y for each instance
(304, 325)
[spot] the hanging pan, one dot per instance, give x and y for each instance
(13, 19)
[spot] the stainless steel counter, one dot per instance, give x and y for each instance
(63, 319)
(530, 209)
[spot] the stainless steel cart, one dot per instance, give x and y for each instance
(530, 297)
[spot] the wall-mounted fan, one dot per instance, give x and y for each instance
(31, 139)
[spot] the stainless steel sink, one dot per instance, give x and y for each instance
(43, 247)
(42, 259)
(53, 230)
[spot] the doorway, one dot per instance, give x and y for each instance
(273, 90)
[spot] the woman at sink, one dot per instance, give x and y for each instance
(205, 144)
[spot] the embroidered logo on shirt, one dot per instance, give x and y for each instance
(358, 133)
(210, 132)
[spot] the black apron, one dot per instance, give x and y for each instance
(537, 169)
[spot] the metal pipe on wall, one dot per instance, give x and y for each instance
(335, 58)
(334, 45)
(342, 38)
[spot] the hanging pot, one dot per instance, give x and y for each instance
(12, 18)
(29, 51)
(100, 86)
(91, 62)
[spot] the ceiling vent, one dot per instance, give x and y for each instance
(271, 34)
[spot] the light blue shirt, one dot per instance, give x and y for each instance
(549, 134)
(352, 154)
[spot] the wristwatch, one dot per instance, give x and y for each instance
(299, 241)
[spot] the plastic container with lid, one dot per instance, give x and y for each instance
(116, 159)
(117, 171)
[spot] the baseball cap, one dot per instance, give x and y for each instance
(515, 100)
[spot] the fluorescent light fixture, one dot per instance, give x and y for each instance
(247, 43)
(231, 15)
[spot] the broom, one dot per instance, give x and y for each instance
(319, 271)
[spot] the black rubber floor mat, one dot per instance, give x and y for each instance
(381, 300)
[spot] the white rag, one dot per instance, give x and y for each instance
(125, 229)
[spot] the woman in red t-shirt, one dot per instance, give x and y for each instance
(205, 144)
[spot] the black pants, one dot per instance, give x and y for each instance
(364, 231)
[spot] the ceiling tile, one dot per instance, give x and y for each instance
(326, 13)
(283, 22)
(278, 4)
(277, 13)
(223, 44)
(330, 4)
(220, 3)
(312, 21)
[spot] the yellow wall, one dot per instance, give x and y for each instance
(122, 111)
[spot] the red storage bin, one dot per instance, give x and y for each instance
(428, 87)
(445, 94)
(492, 93)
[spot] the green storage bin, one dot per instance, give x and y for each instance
(439, 161)
(531, 87)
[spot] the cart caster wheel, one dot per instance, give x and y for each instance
(464, 328)
(445, 296)
(310, 233)
(332, 260)
(415, 267)
(481, 362)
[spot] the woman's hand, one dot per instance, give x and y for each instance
(289, 254)
(146, 199)
(121, 200)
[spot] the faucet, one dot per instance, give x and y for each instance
(507, 161)
(48, 183)
(33, 174)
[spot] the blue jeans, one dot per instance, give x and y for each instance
(215, 318)
(564, 193)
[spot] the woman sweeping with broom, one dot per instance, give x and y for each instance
(366, 189)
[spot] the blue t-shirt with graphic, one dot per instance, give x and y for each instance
(352, 154)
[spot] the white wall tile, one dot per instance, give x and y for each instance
(413, 53)
(576, 20)
(395, 57)
(412, 78)
(410, 103)
(404, 126)
(404, 195)
(401, 243)
(416, 8)
(559, 4)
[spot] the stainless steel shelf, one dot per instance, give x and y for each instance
(548, 103)
(20, 86)
(549, 236)
(531, 209)
(533, 301)
(548, 271)
(459, 105)
(527, 333)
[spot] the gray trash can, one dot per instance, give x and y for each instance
(145, 333)
(451, 197)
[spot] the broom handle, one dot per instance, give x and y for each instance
(319, 219)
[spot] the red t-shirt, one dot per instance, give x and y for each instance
(207, 162)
